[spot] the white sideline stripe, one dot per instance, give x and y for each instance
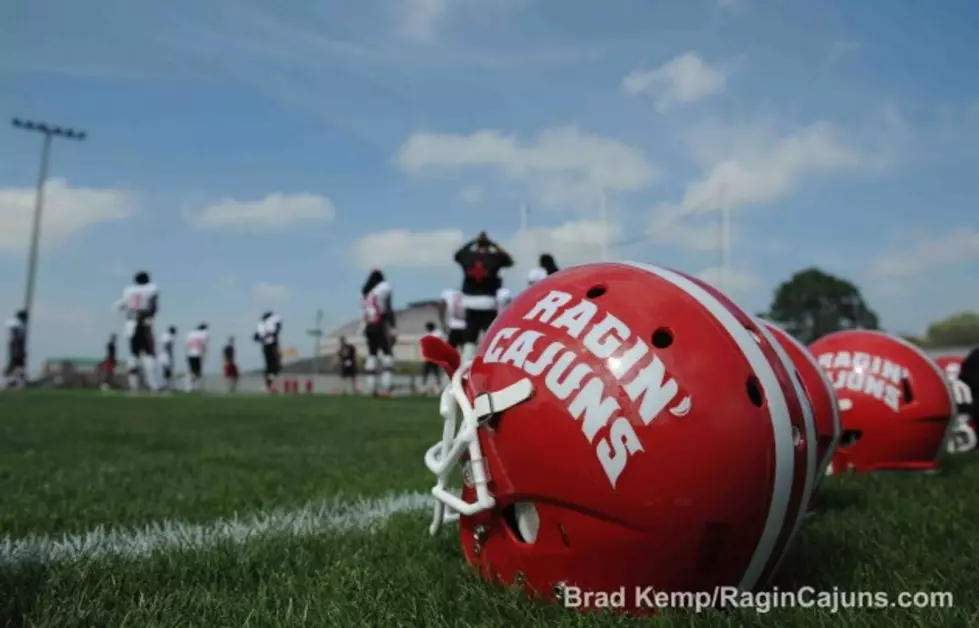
(331, 517)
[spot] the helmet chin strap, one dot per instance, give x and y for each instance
(442, 458)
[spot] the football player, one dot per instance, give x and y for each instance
(481, 260)
(230, 367)
(196, 354)
(347, 358)
(453, 311)
(166, 356)
(267, 334)
(140, 301)
(431, 369)
(16, 350)
(109, 364)
(379, 330)
(546, 267)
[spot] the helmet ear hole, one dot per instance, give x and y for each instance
(596, 291)
(906, 390)
(522, 520)
(849, 437)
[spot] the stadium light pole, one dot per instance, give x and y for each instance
(49, 131)
(317, 333)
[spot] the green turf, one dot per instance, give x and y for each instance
(70, 462)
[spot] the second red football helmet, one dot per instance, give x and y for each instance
(623, 428)
(896, 406)
(826, 410)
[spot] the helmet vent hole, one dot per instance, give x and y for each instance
(662, 338)
(596, 291)
(754, 392)
(522, 521)
(906, 390)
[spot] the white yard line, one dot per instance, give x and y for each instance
(332, 517)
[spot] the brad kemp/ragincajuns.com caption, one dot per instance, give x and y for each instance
(833, 600)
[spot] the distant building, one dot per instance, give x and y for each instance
(411, 327)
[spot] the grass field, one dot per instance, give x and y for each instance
(232, 512)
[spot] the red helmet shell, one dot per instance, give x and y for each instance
(661, 446)
(896, 404)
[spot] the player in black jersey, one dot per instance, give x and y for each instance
(481, 260)
(14, 374)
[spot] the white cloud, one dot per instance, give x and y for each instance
(407, 249)
(746, 165)
(572, 242)
(67, 212)
(276, 211)
(923, 252)
(559, 158)
(731, 282)
(682, 80)
(270, 292)
(420, 19)
(669, 225)
(471, 194)
(754, 172)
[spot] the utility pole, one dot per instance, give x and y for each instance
(316, 332)
(50, 132)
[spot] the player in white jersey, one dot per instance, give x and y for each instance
(547, 267)
(377, 316)
(267, 334)
(503, 298)
(140, 302)
(453, 309)
(166, 356)
(431, 369)
(196, 354)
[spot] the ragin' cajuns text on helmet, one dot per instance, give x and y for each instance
(624, 428)
(896, 405)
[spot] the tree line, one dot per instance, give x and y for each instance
(813, 303)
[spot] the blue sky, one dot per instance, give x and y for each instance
(260, 158)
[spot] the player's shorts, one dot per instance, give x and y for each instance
(431, 369)
(230, 370)
(17, 357)
(378, 339)
(142, 342)
(194, 365)
(348, 372)
(108, 367)
(477, 322)
(457, 337)
(273, 361)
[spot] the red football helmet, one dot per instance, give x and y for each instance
(822, 397)
(895, 403)
(623, 426)
(963, 438)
